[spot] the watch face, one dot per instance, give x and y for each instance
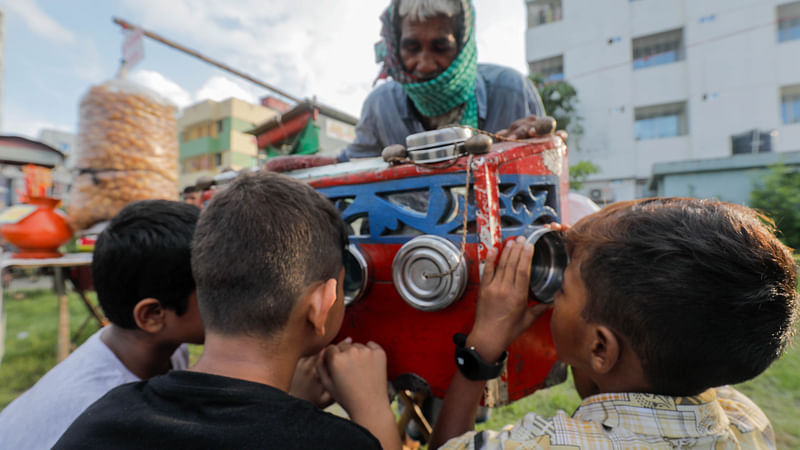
(466, 362)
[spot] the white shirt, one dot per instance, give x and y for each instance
(38, 417)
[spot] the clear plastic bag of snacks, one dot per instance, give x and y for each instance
(127, 151)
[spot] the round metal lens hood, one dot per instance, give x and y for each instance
(437, 138)
(356, 275)
(419, 269)
(437, 145)
(549, 262)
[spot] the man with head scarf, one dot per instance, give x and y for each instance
(428, 50)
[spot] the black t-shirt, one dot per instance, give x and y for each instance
(196, 410)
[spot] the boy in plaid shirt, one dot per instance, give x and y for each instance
(665, 302)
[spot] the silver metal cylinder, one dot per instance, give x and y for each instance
(429, 273)
(549, 262)
(356, 274)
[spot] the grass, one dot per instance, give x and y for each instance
(777, 392)
(30, 351)
(545, 402)
(31, 335)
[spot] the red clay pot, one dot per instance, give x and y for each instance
(41, 233)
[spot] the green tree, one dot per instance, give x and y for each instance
(778, 196)
(578, 173)
(560, 100)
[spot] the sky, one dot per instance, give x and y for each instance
(55, 50)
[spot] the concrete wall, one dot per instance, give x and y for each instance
(730, 179)
(209, 110)
(730, 79)
(731, 186)
(334, 135)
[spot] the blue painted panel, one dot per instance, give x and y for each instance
(397, 210)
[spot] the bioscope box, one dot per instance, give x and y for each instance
(413, 271)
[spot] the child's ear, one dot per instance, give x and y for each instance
(605, 350)
(321, 300)
(149, 315)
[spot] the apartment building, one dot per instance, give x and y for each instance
(213, 136)
(662, 82)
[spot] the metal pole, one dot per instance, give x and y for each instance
(63, 314)
(129, 26)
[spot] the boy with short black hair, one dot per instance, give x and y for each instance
(268, 260)
(142, 274)
(663, 301)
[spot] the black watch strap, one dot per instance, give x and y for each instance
(470, 363)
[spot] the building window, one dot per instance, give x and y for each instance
(790, 104)
(789, 22)
(201, 130)
(196, 164)
(660, 121)
(542, 12)
(753, 141)
(657, 49)
(551, 69)
(220, 126)
(218, 159)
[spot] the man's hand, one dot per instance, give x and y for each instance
(529, 127)
(502, 311)
(355, 374)
(306, 383)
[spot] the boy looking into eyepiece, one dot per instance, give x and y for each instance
(664, 303)
(268, 260)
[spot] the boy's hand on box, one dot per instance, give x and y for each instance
(355, 374)
(306, 383)
(503, 313)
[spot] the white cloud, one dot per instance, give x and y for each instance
(20, 124)
(39, 22)
(163, 86)
(310, 47)
(90, 68)
(220, 88)
(501, 32)
(303, 47)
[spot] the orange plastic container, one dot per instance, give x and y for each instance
(40, 233)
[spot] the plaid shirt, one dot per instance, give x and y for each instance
(720, 418)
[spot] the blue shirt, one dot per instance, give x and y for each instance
(388, 116)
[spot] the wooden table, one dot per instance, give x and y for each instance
(59, 266)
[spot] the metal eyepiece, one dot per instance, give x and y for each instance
(549, 262)
(356, 274)
(429, 272)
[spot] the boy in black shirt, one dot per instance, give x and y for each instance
(267, 259)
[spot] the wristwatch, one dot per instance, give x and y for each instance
(470, 363)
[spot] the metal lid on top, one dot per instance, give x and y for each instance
(437, 138)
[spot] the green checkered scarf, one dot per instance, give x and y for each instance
(452, 88)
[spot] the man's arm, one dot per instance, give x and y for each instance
(502, 315)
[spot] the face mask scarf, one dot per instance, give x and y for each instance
(452, 88)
